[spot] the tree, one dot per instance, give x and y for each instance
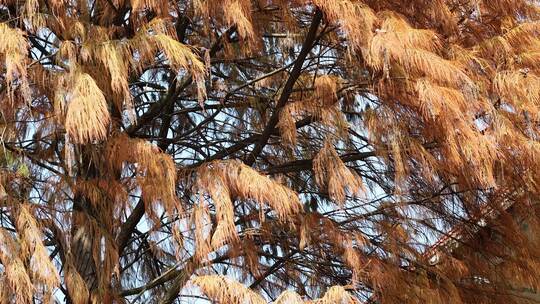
(374, 151)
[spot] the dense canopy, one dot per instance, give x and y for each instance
(250, 151)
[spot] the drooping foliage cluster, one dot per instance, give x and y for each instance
(254, 151)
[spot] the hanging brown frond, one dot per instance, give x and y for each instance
(16, 279)
(519, 90)
(156, 172)
(87, 115)
(355, 18)
(326, 90)
(289, 297)
(75, 283)
(337, 294)
(32, 248)
(221, 289)
(13, 53)
(227, 180)
(332, 174)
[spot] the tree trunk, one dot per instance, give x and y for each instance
(83, 235)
